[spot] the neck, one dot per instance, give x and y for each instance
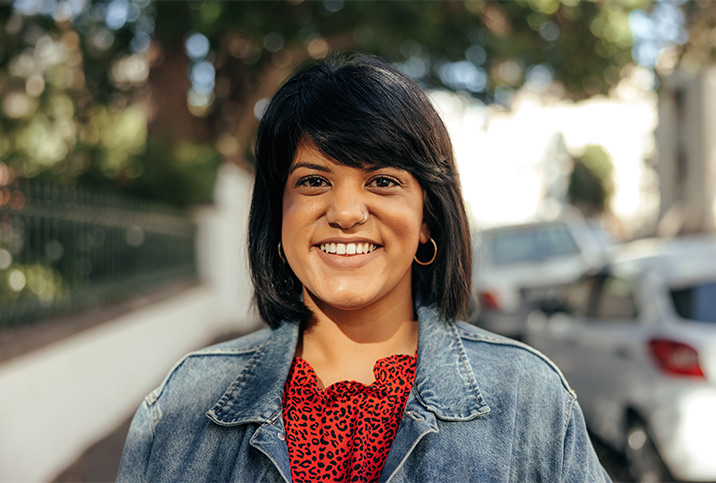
(345, 344)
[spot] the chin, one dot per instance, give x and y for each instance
(344, 301)
(350, 303)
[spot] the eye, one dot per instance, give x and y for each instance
(383, 181)
(312, 181)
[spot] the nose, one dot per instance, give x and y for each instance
(346, 208)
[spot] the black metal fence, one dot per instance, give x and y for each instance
(63, 251)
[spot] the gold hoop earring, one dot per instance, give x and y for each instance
(280, 255)
(435, 254)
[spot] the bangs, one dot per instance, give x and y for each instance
(358, 118)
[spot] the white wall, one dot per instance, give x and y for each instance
(222, 250)
(687, 152)
(57, 401)
(509, 160)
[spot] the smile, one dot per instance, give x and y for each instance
(347, 248)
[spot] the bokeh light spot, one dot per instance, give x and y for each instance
(5, 259)
(197, 46)
(476, 54)
(16, 280)
(135, 236)
(318, 48)
(203, 76)
(34, 85)
(333, 6)
(273, 41)
(117, 13)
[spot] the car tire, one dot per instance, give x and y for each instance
(643, 459)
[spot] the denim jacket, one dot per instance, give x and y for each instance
(482, 408)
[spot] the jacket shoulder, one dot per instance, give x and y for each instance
(508, 357)
(246, 343)
(201, 377)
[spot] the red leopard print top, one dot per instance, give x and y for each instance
(344, 432)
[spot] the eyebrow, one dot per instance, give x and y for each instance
(326, 169)
(317, 167)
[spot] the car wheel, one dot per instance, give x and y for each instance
(645, 464)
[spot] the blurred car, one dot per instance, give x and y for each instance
(637, 341)
(518, 266)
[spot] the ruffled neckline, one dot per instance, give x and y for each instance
(391, 374)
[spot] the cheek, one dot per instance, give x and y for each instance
(293, 225)
(407, 225)
(295, 216)
(412, 214)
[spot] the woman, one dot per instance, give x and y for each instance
(360, 258)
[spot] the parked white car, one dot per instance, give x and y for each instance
(637, 342)
(518, 266)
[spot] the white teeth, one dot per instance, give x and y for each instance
(347, 248)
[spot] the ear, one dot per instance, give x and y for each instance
(424, 234)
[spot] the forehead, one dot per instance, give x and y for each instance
(311, 156)
(307, 151)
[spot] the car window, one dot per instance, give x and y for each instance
(616, 300)
(579, 296)
(696, 302)
(532, 244)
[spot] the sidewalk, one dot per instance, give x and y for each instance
(101, 461)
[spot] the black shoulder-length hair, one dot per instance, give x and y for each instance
(358, 109)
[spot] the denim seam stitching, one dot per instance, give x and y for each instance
(192, 355)
(220, 352)
(464, 365)
(410, 450)
(566, 417)
(273, 419)
(151, 401)
(519, 346)
(235, 385)
(568, 407)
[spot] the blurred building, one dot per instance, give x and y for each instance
(515, 163)
(686, 150)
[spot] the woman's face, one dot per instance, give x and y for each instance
(343, 261)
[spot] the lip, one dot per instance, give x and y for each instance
(360, 242)
(345, 262)
(346, 240)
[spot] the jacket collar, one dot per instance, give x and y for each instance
(444, 381)
(255, 395)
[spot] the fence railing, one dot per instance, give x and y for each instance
(63, 251)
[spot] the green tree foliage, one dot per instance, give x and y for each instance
(591, 181)
(676, 34)
(697, 48)
(151, 96)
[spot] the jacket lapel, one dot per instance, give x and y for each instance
(255, 395)
(445, 388)
(445, 383)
